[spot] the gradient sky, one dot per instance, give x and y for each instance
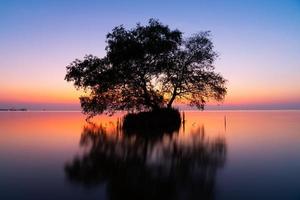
(258, 42)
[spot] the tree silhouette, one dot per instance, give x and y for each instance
(146, 68)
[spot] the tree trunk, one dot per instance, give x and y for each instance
(169, 105)
(147, 100)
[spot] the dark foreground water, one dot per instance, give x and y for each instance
(214, 155)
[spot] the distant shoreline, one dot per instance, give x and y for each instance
(13, 109)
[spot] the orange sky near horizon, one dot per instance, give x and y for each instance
(69, 95)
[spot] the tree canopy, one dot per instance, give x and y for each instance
(146, 68)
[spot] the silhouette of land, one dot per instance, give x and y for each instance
(13, 109)
(156, 122)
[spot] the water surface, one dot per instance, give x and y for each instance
(213, 155)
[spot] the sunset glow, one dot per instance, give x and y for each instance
(258, 45)
(146, 100)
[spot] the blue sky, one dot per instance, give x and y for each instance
(258, 43)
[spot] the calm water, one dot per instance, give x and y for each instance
(215, 155)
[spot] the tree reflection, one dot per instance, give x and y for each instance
(133, 166)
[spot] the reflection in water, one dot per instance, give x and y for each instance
(133, 166)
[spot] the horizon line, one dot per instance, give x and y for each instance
(187, 110)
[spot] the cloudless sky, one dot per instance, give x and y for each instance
(258, 43)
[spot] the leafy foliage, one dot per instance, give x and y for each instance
(146, 68)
